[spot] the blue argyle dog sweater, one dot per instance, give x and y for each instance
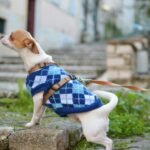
(73, 97)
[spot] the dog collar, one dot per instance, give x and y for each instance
(39, 66)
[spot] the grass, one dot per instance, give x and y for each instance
(22, 103)
(129, 118)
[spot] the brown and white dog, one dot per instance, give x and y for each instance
(94, 123)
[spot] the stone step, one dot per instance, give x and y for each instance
(8, 87)
(79, 56)
(81, 62)
(77, 53)
(71, 62)
(58, 59)
(12, 60)
(13, 76)
(71, 52)
(65, 56)
(55, 133)
(87, 71)
(74, 51)
(12, 68)
(80, 49)
(73, 69)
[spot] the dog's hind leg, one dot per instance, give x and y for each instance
(100, 139)
(103, 140)
(38, 110)
(95, 127)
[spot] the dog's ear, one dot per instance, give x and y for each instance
(30, 44)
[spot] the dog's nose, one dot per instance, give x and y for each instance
(1, 36)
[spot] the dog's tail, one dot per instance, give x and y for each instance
(113, 100)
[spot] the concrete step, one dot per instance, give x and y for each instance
(79, 63)
(19, 68)
(74, 60)
(12, 60)
(96, 56)
(8, 87)
(99, 47)
(12, 76)
(82, 69)
(12, 68)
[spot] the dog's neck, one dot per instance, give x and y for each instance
(30, 59)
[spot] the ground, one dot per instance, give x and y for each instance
(17, 121)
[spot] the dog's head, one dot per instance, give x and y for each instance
(19, 40)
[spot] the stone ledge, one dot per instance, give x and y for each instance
(39, 139)
(59, 135)
(5, 132)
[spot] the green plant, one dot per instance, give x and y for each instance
(131, 116)
(84, 145)
(148, 12)
(111, 30)
(126, 125)
(21, 104)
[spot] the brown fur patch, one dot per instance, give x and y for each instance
(22, 39)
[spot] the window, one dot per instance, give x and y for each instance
(2, 25)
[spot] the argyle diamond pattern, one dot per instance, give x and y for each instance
(70, 98)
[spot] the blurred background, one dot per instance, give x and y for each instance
(106, 39)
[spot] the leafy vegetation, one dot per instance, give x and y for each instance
(131, 116)
(111, 30)
(148, 12)
(21, 104)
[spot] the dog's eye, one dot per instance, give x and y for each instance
(11, 37)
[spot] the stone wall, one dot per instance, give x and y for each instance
(55, 25)
(120, 62)
(121, 58)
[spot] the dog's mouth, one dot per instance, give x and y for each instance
(1, 36)
(5, 44)
(4, 40)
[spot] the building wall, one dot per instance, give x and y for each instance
(14, 12)
(58, 23)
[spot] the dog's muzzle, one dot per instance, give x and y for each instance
(1, 36)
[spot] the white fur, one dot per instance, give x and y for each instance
(30, 59)
(94, 123)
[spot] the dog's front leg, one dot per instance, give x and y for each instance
(38, 110)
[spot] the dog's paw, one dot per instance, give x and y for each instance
(29, 125)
